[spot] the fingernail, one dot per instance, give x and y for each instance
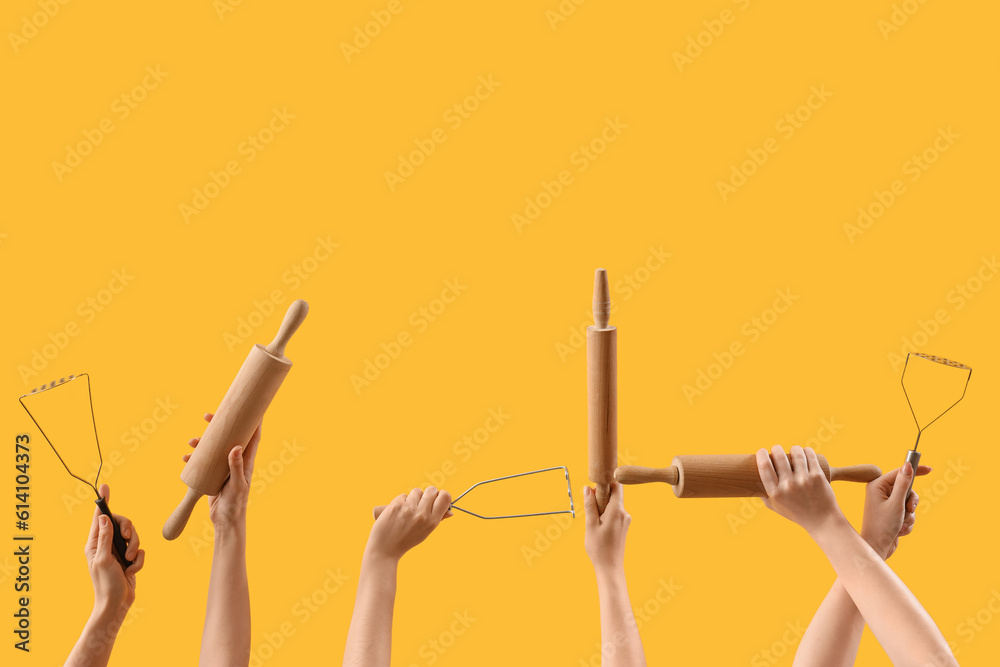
(586, 491)
(103, 521)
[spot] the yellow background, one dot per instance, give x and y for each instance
(496, 346)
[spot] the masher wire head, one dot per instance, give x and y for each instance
(569, 490)
(60, 383)
(937, 360)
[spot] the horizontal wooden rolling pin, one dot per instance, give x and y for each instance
(726, 475)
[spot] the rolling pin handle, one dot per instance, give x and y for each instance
(175, 524)
(293, 318)
(643, 475)
(121, 546)
(858, 473)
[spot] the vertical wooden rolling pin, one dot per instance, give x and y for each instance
(602, 392)
(236, 419)
(726, 475)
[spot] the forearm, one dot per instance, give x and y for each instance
(834, 634)
(369, 639)
(902, 626)
(93, 648)
(225, 641)
(620, 642)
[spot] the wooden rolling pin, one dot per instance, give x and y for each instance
(726, 475)
(237, 417)
(602, 393)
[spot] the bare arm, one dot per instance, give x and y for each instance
(605, 544)
(798, 490)
(225, 639)
(405, 523)
(114, 590)
(369, 639)
(834, 634)
(902, 626)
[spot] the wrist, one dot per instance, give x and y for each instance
(230, 533)
(109, 614)
(230, 520)
(833, 523)
(378, 558)
(833, 527)
(878, 545)
(609, 573)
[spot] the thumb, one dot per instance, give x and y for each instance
(104, 535)
(618, 495)
(236, 465)
(902, 484)
(590, 506)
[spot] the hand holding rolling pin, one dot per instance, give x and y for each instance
(797, 489)
(228, 508)
(226, 636)
(604, 541)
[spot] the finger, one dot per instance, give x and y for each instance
(105, 492)
(414, 497)
(812, 461)
(236, 465)
(186, 458)
(885, 482)
(427, 499)
(193, 442)
(922, 470)
(208, 416)
(124, 526)
(590, 507)
(104, 536)
(95, 529)
(765, 468)
(131, 536)
(782, 467)
(797, 457)
(250, 453)
(395, 502)
(442, 505)
(911, 502)
(901, 485)
(137, 563)
(94, 523)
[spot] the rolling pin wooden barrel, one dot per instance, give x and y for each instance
(726, 475)
(236, 418)
(602, 393)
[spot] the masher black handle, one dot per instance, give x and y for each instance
(121, 546)
(913, 457)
